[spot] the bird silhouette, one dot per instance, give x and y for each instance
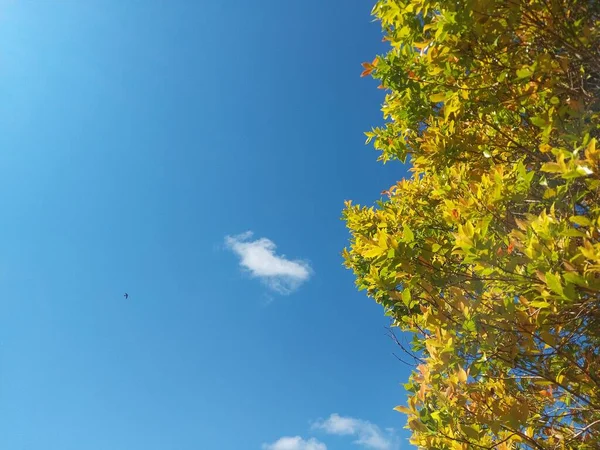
(126, 295)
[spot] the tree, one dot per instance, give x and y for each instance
(490, 253)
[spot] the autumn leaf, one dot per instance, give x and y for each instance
(495, 260)
(462, 375)
(403, 409)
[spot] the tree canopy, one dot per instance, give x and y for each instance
(490, 252)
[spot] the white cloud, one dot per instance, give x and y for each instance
(276, 271)
(366, 433)
(295, 443)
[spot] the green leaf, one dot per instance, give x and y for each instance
(524, 72)
(573, 233)
(540, 304)
(408, 235)
(581, 220)
(538, 121)
(469, 325)
(575, 278)
(470, 432)
(554, 283)
(406, 297)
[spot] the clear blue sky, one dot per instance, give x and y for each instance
(134, 137)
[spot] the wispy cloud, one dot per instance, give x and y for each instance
(366, 433)
(259, 258)
(295, 443)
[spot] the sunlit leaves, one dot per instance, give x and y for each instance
(490, 252)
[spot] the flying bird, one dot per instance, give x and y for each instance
(126, 295)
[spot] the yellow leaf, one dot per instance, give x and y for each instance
(403, 409)
(439, 97)
(462, 375)
(552, 167)
(421, 45)
(373, 252)
(408, 235)
(591, 148)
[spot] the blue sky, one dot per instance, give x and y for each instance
(139, 140)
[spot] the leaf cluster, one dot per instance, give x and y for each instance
(490, 252)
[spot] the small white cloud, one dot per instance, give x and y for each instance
(295, 443)
(276, 271)
(366, 433)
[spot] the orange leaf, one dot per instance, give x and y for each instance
(546, 393)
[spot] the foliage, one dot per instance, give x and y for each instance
(490, 252)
